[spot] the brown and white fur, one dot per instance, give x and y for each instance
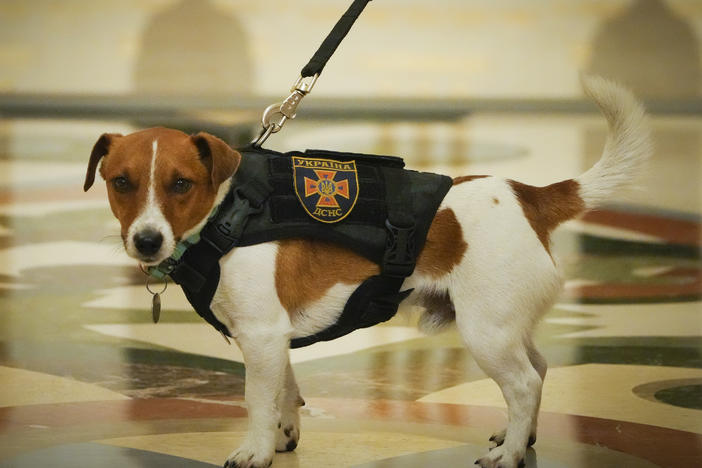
(486, 265)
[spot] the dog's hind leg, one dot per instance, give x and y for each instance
(266, 357)
(499, 348)
(289, 402)
(539, 363)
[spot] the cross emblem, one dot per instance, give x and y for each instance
(327, 188)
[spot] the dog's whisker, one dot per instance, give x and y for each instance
(117, 249)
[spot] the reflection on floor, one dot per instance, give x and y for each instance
(87, 380)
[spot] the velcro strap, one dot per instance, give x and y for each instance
(288, 209)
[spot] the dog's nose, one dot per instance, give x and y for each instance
(148, 241)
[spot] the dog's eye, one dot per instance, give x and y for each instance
(121, 184)
(182, 185)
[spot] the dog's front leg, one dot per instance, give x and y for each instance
(266, 359)
(289, 404)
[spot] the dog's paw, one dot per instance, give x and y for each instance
(486, 462)
(496, 458)
(288, 434)
(249, 455)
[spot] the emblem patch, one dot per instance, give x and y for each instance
(327, 189)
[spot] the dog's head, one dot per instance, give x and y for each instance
(162, 185)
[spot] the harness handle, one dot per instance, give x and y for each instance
(275, 115)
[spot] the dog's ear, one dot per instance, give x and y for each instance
(217, 156)
(101, 148)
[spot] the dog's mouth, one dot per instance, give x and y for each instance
(150, 261)
(146, 261)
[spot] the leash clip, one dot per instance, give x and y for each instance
(275, 115)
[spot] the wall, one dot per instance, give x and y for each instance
(507, 48)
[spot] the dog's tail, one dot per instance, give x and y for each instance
(627, 148)
(628, 145)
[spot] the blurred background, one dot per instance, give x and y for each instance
(424, 80)
(453, 86)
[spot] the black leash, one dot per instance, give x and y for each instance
(275, 115)
(332, 41)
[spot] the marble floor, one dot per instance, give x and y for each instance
(88, 380)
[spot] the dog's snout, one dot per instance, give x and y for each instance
(148, 241)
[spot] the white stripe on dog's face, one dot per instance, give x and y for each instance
(151, 218)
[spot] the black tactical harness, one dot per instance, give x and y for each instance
(388, 225)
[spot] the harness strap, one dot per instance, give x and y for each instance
(400, 255)
(374, 301)
(332, 41)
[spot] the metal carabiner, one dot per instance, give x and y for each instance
(275, 115)
(262, 137)
(270, 117)
(269, 126)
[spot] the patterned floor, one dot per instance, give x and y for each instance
(88, 380)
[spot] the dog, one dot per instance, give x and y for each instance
(486, 265)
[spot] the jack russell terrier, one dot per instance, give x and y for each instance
(486, 265)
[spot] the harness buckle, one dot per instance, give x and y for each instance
(229, 225)
(399, 258)
(225, 229)
(163, 269)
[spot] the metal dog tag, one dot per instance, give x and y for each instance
(156, 297)
(156, 307)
